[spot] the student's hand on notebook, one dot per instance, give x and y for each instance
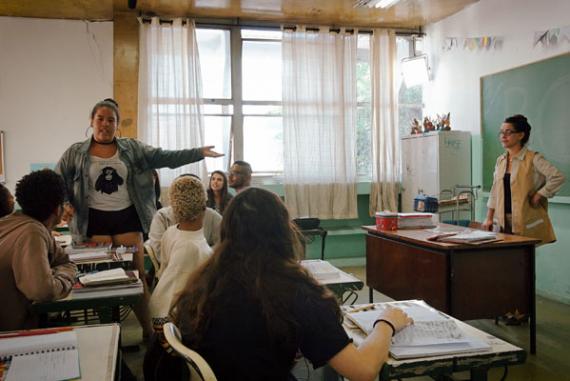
(397, 317)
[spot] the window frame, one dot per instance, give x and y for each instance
(237, 102)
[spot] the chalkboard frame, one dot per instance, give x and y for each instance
(528, 81)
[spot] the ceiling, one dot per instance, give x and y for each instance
(405, 14)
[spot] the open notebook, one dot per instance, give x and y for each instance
(51, 356)
(432, 334)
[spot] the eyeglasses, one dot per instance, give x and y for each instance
(507, 133)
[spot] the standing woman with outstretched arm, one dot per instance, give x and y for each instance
(110, 186)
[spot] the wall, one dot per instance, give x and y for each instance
(455, 88)
(51, 73)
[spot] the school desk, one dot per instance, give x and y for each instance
(100, 300)
(343, 284)
(500, 355)
(466, 281)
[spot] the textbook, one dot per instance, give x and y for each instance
(79, 288)
(108, 277)
(432, 334)
(415, 220)
(470, 236)
(50, 354)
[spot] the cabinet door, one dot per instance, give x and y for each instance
(420, 168)
(455, 159)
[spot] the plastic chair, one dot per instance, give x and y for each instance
(152, 255)
(199, 368)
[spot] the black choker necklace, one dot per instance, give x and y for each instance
(105, 144)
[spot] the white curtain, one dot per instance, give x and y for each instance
(385, 136)
(319, 123)
(170, 90)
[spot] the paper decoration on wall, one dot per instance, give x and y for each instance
(552, 37)
(473, 43)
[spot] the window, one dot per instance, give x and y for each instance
(215, 65)
(410, 99)
(364, 109)
(241, 71)
(262, 115)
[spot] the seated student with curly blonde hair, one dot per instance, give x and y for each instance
(184, 248)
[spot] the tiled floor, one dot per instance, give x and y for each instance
(551, 363)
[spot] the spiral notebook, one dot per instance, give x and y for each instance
(432, 334)
(31, 356)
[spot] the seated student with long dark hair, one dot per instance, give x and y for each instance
(251, 307)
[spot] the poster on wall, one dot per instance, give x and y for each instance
(2, 171)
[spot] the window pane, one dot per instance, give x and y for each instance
(261, 70)
(215, 62)
(263, 143)
(364, 141)
(406, 115)
(363, 83)
(261, 34)
(217, 133)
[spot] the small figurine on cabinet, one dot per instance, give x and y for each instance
(416, 127)
(446, 122)
(442, 122)
(428, 125)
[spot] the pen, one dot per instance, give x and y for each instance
(363, 307)
(36, 332)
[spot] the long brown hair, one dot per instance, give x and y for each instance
(258, 254)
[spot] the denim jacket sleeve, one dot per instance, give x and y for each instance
(159, 158)
(66, 167)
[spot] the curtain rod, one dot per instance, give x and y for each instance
(213, 23)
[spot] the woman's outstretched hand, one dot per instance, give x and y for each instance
(207, 151)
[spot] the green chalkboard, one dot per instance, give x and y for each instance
(541, 92)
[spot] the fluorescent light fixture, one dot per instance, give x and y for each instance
(415, 70)
(385, 3)
(374, 3)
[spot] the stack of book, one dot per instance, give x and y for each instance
(415, 220)
(87, 252)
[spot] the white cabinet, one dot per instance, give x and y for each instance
(433, 162)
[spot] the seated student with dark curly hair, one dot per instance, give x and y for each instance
(32, 266)
(6, 201)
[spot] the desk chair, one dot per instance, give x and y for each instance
(152, 278)
(309, 228)
(198, 367)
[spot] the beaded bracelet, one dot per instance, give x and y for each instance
(387, 322)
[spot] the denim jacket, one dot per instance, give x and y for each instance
(139, 158)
